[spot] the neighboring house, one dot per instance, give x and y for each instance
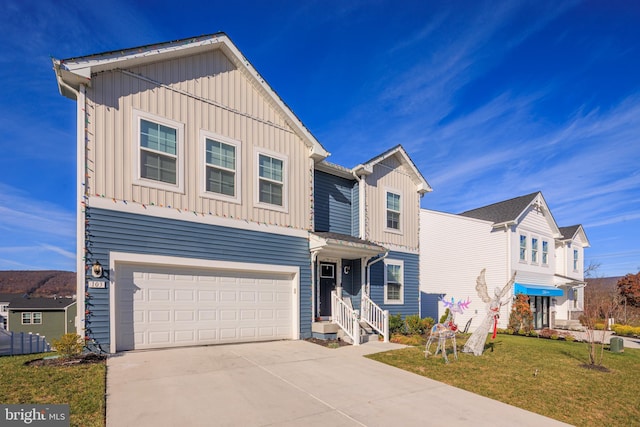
(48, 317)
(206, 213)
(5, 299)
(518, 235)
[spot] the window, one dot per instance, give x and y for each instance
(534, 250)
(575, 260)
(221, 167)
(523, 248)
(158, 151)
(271, 180)
(545, 252)
(327, 271)
(393, 211)
(158, 160)
(393, 282)
(29, 318)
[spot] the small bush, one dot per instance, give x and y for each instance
(69, 345)
(427, 324)
(626, 330)
(413, 325)
(445, 316)
(570, 338)
(396, 325)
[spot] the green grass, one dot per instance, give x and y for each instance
(80, 386)
(563, 389)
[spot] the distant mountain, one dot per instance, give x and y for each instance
(45, 283)
(607, 284)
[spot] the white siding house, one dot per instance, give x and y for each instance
(518, 235)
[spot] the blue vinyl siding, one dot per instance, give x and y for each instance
(411, 284)
(124, 232)
(351, 282)
(355, 210)
(333, 207)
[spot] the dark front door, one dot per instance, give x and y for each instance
(327, 284)
(540, 310)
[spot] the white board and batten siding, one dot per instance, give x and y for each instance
(534, 224)
(204, 94)
(453, 251)
(391, 175)
(160, 302)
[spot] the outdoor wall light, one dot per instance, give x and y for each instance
(347, 269)
(96, 270)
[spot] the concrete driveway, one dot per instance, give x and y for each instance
(288, 383)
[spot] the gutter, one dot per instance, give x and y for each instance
(370, 263)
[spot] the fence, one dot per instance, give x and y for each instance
(14, 343)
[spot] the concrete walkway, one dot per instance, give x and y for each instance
(289, 383)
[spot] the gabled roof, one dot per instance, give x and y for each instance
(74, 72)
(40, 303)
(400, 153)
(4, 297)
(511, 211)
(570, 232)
(501, 212)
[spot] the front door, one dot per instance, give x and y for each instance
(540, 310)
(327, 284)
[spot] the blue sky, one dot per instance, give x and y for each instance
(492, 100)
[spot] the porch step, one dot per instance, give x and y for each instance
(325, 327)
(367, 334)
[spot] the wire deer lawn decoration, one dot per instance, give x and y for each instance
(441, 332)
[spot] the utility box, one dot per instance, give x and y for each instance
(616, 345)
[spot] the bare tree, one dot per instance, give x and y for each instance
(599, 307)
(591, 271)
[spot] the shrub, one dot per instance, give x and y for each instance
(570, 338)
(427, 324)
(444, 317)
(69, 345)
(396, 325)
(626, 330)
(413, 325)
(521, 318)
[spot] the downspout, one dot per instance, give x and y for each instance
(314, 257)
(369, 264)
(80, 193)
(361, 205)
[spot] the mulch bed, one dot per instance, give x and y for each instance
(328, 343)
(82, 359)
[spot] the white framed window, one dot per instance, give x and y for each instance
(158, 152)
(534, 250)
(393, 204)
(222, 167)
(523, 247)
(545, 252)
(271, 188)
(393, 281)
(327, 271)
(575, 259)
(31, 318)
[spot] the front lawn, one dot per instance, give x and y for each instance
(548, 377)
(81, 386)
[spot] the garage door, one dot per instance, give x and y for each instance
(168, 306)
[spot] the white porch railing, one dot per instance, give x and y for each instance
(346, 317)
(375, 316)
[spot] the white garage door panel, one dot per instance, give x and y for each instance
(169, 306)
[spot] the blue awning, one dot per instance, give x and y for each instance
(537, 290)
